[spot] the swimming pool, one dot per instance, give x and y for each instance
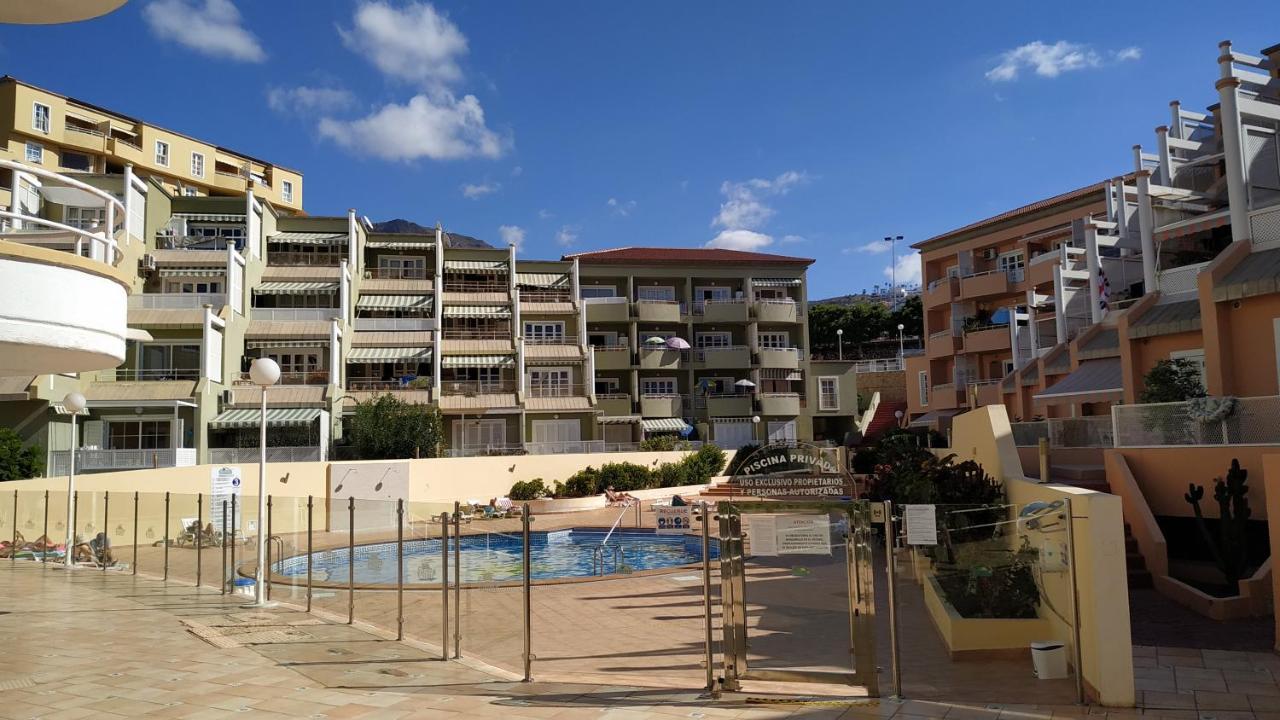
(495, 558)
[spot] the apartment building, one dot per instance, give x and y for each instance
(1060, 308)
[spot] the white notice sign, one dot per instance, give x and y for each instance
(774, 535)
(224, 483)
(922, 524)
(673, 520)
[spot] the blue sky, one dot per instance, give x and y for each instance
(811, 129)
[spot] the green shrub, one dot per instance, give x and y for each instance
(663, 443)
(703, 465)
(625, 477)
(18, 461)
(671, 475)
(583, 483)
(525, 490)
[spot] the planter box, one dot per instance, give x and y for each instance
(979, 638)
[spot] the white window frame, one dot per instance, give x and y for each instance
(1008, 366)
(833, 394)
(488, 432)
(162, 153)
(585, 295)
(544, 330)
(197, 165)
(770, 340)
(771, 293)
(159, 420)
(663, 382)
(1196, 356)
(554, 381)
(652, 291)
(188, 287)
(34, 152)
(36, 117)
(713, 339)
(84, 218)
(286, 190)
(555, 431)
(922, 386)
(781, 431)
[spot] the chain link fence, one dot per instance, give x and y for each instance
(1250, 421)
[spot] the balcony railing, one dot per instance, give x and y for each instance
(177, 301)
(875, 366)
(1249, 421)
(552, 340)
(476, 387)
(700, 306)
(463, 286)
(92, 459)
(612, 300)
(394, 324)
(295, 314)
(282, 258)
(485, 450)
(545, 390)
(502, 333)
(309, 377)
(232, 456)
(397, 273)
(548, 296)
(166, 241)
(122, 374)
(417, 384)
(1179, 280)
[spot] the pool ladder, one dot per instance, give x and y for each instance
(598, 555)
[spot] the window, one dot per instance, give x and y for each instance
(775, 340)
(1007, 366)
(658, 386)
(138, 435)
(597, 291)
(197, 165)
(401, 267)
(40, 117)
(84, 218)
(784, 431)
(829, 393)
(190, 191)
(286, 191)
(164, 362)
(603, 339)
(479, 433)
(923, 383)
(162, 153)
(771, 293)
(76, 161)
(1012, 264)
(607, 386)
(188, 287)
(713, 339)
(1195, 357)
(35, 152)
(556, 431)
(663, 293)
(544, 332)
(550, 382)
(296, 364)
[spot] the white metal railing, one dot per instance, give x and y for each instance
(1179, 280)
(357, 384)
(620, 347)
(545, 296)
(294, 314)
(121, 374)
(230, 456)
(95, 244)
(1253, 421)
(87, 131)
(552, 340)
(287, 258)
(394, 324)
(875, 366)
(176, 301)
(612, 300)
(485, 450)
(91, 459)
(554, 390)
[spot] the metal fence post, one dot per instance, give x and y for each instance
(399, 569)
(234, 532)
(444, 585)
(135, 532)
(266, 574)
(706, 595)
(13, 549)
(106, 525)
(223, 587)
(891, 567)
(309, 561)
(351, 560)
(199, 536)
(1043, 446)
(457, 580)
(166, 536)
(527, 609)
(44, 554)
(75, 518)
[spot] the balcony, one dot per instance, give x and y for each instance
(777, 311)
(177, 301)
(731, 405)
(780, 404)
(659, 358)
(988, 392)
(232, 456)
(100, 460)
(123, 374)
(991, 338)
(294, 314)
(83, 138)
(733, 356)
(127, 151)
(466, 388)
(660, 406)
(395, 324)
(723, 311)
(942, 344)
(784, 358)
(1179, 280)
(612, 357)
(278, 258)
(607, 309)
(986, 284)
(659, 311)
(304, 377)
(613, 404)
(232, 181)
(944, 397)
(941, 292)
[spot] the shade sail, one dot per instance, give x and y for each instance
(276, 417)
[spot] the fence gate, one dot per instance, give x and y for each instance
(791, 573)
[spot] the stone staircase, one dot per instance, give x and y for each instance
(1139, 575)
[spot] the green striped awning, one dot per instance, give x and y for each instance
(309, 238)
(618, 419)
(477, 266)
(193, 272)
(497, 312)
(775, 282)
(394, 302)
(210, 217)
(276, 417)
(542, 279)
(399, 245)
(274, 344)
(369, 355)
(295, 288)
(663, 425)
(478, 360)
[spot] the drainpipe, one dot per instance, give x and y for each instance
(1146, 223)
(1229, 121)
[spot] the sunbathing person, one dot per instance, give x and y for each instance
(677, 501)
(615, 497)
(82, 552)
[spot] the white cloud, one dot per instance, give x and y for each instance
(412, 42)
(908, 269)
(623, 208)
(744, 205)
(792, 239)
(740, 240)
(517, 171)
(1052, 60)
(210, 27)
(567, 235)
(512, 235)
(875, 247)
(545, 214)
(473, 191)
(303, 99)
(440, 128)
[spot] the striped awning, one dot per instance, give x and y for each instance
(295, 288)
(542, 279)
(1194, 225)
(394, 302)
(309, 238)
(478, 361)
(477, 311)
(618, 419)
(193, 272)
(61, 409)
(398, 245)
(273, 344)
(369, 355)
(211, 217)
(775, 282)
(476, 266)
(276, 417)
(664, 425)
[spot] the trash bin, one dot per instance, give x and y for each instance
(1049, 659)
(243, 586)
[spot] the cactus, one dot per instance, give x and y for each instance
(1231, 549)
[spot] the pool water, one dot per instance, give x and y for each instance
(497, 557)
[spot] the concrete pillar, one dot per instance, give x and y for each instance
(128, 201)
(1232, 146)
(1095, 271)
(1146, 223)
(1031, 323)
(1175, 120)
(1059, 304)
(1111, 201)
(1013, 337)
(1166, 159)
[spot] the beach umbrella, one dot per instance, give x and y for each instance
(745, 383)
(655, 340)
(676, 343)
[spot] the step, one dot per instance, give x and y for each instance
(1140, 579)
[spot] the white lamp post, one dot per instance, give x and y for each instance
(898, 414)
(901, 352)
(264, 372)
(840, 342)
(755, 427)
(73, 403)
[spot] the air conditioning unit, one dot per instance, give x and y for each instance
(147, 263)
(989, 254)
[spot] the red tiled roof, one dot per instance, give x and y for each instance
(1062, 199)
(682, 256)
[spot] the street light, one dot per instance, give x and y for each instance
(264, 372)
(840, 342)
(73, 403)
(893, 269)
(898, 414)
(901, 351)
(755, 430)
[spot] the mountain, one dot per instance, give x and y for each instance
(452, 240)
